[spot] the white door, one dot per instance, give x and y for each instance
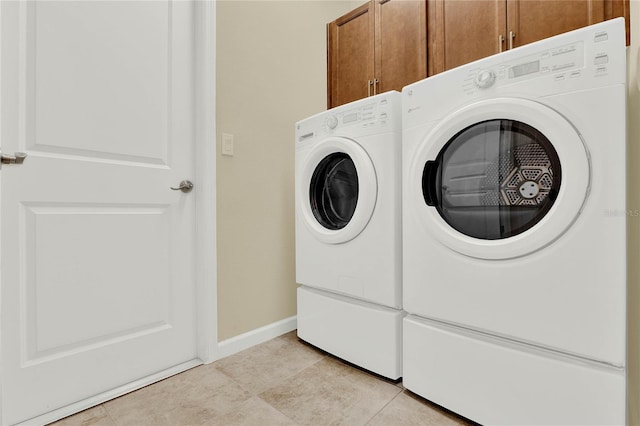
(97, 271)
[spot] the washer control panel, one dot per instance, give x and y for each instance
(365, 115)
(360, 118)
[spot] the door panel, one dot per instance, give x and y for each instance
(96, 250)
(536, 20)
(112, 109)
(351, 53)
(401, 39)
(465, 31)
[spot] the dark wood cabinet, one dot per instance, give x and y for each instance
(463, 31)
(380, 46)
(350, 56)
(386, 44)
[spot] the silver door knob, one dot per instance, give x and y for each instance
(185, 186)
(17, 158)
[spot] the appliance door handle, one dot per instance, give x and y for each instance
(429, 177)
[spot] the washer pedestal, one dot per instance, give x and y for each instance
(362, 333)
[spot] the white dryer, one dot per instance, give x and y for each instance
(348, 232)
(514, 233)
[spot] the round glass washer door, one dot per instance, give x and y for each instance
(333, 191)
(337, 190)
(500, 178)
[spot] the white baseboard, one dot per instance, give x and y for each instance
(255, 337)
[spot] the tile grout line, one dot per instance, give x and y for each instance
(260, 398)
(400, 391)
(106, 410)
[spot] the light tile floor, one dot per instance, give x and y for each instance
(281, 382)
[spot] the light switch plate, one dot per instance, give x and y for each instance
(227, 144)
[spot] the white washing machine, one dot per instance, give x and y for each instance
(348, 232)
(514, 227)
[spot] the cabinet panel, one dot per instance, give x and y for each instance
(351, 56)
(617, 9)
(530, 21)
(401, 43)
(461, 31)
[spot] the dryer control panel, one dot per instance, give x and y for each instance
(563, 62)
(586, 56)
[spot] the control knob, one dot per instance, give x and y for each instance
(485, 79)
(332, 121)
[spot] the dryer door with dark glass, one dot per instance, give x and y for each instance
(338, 190)
(501, 178)
(493, 180)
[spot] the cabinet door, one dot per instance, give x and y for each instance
(462, 31)
(351, 56)
(529, 21)
(617, 9)
(401, 43)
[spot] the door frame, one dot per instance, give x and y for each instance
(207, 349)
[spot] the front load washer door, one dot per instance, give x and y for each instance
(338, 190)
(501, 178)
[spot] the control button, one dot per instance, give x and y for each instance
(575, 74)
(601, 59)
(601, 37)
(485, 79)
(559, 77)
(332, 121)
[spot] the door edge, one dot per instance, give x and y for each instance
(205, 167)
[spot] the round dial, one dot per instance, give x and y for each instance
(485, 79)
(332, 121)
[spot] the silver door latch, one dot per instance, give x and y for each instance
(17, 158)
(185, 186)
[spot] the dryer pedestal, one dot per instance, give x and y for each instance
(497, 381)
(362, 333)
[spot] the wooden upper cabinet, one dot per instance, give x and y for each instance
(401, 43)
(350, 56)
(529, 21)
(461, 31)
(379, 46)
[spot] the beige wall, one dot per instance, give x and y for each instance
(633, 164)
(271, 72)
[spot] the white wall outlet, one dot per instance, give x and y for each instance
(227, 144)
